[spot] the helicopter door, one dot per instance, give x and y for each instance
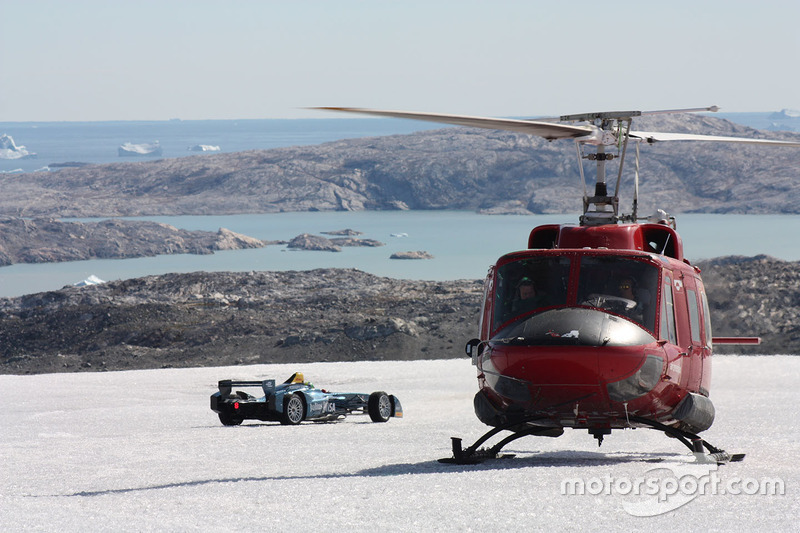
(697, 349)
(486, 306)
(668, 332)
(705, 380)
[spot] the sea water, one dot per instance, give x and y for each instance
(464, 245)
(97, 142)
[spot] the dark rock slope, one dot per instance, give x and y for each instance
(209, 319)
(755, 296)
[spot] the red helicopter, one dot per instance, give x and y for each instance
(599, 326)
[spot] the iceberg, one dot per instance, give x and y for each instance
(91, 280)
(132, 150)
(9, 150)
(203, 148)
(784, 114)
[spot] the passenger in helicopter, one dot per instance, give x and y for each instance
(528, 297)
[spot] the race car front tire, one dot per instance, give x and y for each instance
(294, 410)
(379, 406)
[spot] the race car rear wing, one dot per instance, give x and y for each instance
(226, 386)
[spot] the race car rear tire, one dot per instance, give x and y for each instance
(379, 406)
(228, 420)
(294, 410)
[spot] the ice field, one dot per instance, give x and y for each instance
(142, 451)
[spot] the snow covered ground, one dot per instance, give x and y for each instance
(142, 451)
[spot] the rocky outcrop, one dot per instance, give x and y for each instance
(51, 240)
(454, 168)
(306, 241)
(411, 255)
(343, 232)
(352, 241)
(230, 240)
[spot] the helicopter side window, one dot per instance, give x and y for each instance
(706, 316)
(694, 315)
(529, 284)
(620, 285)
(668, 314)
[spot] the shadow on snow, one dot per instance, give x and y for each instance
(548, 459)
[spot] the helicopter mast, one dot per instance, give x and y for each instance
(603, 208)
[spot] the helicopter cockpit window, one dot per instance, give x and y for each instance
(621, 285)
(529, 284)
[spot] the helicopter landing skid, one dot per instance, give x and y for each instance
(475, 455)
(695, 443)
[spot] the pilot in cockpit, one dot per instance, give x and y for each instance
(627, 289)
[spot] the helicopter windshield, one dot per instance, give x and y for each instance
(621, 285)
(529, 284)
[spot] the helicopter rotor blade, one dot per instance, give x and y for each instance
(583, 133)
(652, 137)
(711, 108)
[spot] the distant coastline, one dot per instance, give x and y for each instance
(445, 168)
(58, 143)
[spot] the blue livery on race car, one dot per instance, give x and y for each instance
(296, 400)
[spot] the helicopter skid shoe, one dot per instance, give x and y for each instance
(471, 456)
(719, 458)
(703, 452)
(475, 455)
(714, 455)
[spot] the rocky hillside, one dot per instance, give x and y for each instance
(755, 296)
(207, 319)
(50, 240)
(453, 168)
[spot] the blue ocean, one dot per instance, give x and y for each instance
(463, 244)
(97, 142)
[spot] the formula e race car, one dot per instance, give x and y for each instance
(296, 400)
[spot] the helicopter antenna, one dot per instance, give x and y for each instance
(580, 168)
(635, 213)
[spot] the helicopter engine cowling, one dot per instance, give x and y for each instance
(695, 412)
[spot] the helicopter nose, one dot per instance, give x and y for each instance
(552, 377)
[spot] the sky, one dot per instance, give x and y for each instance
(91, 60)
